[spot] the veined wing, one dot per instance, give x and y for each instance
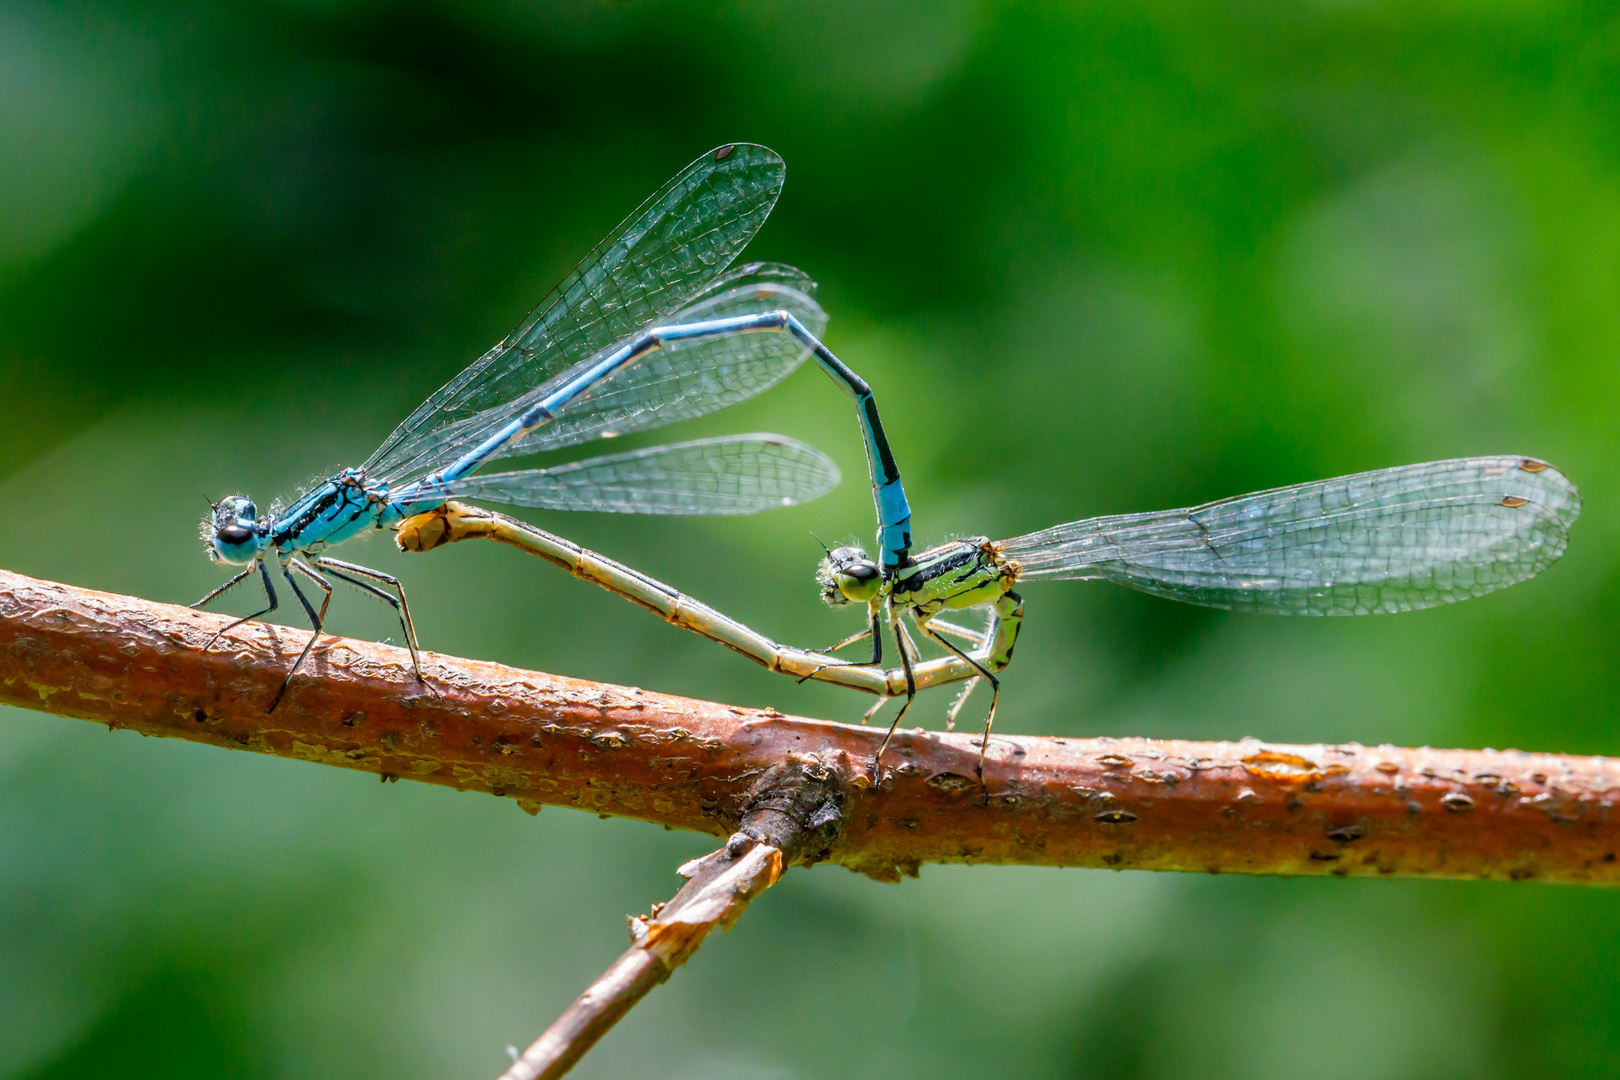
(653, 264)
(683, 380)
(736, 474)
(680, 381)
(1392, 540)
(758, 273)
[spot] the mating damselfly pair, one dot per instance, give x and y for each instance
(655, 326)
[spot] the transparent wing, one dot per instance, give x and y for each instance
(680, 381)
(683, 380)
(1391, 540)
(738, 474)
(757, 273)
(653, 264)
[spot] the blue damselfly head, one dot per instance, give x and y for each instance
(848, 576)
(233, 532)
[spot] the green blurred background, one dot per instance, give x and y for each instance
(1094, 258)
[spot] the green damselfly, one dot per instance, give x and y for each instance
(1399, 539)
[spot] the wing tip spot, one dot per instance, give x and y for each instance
(1531, 465)
(724, 152)
(1513, 502)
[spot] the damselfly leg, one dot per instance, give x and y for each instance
(876, 614)
(223, 589)
(900, 643)
(984, 673)
(269, 593)
(347, 572)
(852, 639)
(317, 620)
(351, 572)
(977, 638)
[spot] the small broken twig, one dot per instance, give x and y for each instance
(791, 804)
(720, 887)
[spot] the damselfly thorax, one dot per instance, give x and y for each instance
(335, 510)
(954, 576)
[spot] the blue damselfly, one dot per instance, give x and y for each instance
(652, 327)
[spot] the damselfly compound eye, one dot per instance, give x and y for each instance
(860, 581)
(861, 572)
(234, 511)
(847, 575)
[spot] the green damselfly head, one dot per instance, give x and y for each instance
(233, 532)
(848, 576)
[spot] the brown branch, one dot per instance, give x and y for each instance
(788, 804)
(1242, 807)
(722, 883)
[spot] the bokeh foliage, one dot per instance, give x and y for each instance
(1093, 257)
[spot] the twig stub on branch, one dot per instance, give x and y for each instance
(1245, 807)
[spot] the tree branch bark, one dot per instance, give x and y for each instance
(1245, 807)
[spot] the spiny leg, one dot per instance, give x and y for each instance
(343, 571)
(369, 590)
(995, 695)
(975, 637)
(269, 593)
(961, 699)
(1000, 635)
(883, 699)
(225, 587)
(908, 646)
(852, 639)
(859, 635)
(316, 619)
(911, 695)
(980, 639)
(876, 611)
(324, 585)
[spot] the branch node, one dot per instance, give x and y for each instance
(796, 806)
